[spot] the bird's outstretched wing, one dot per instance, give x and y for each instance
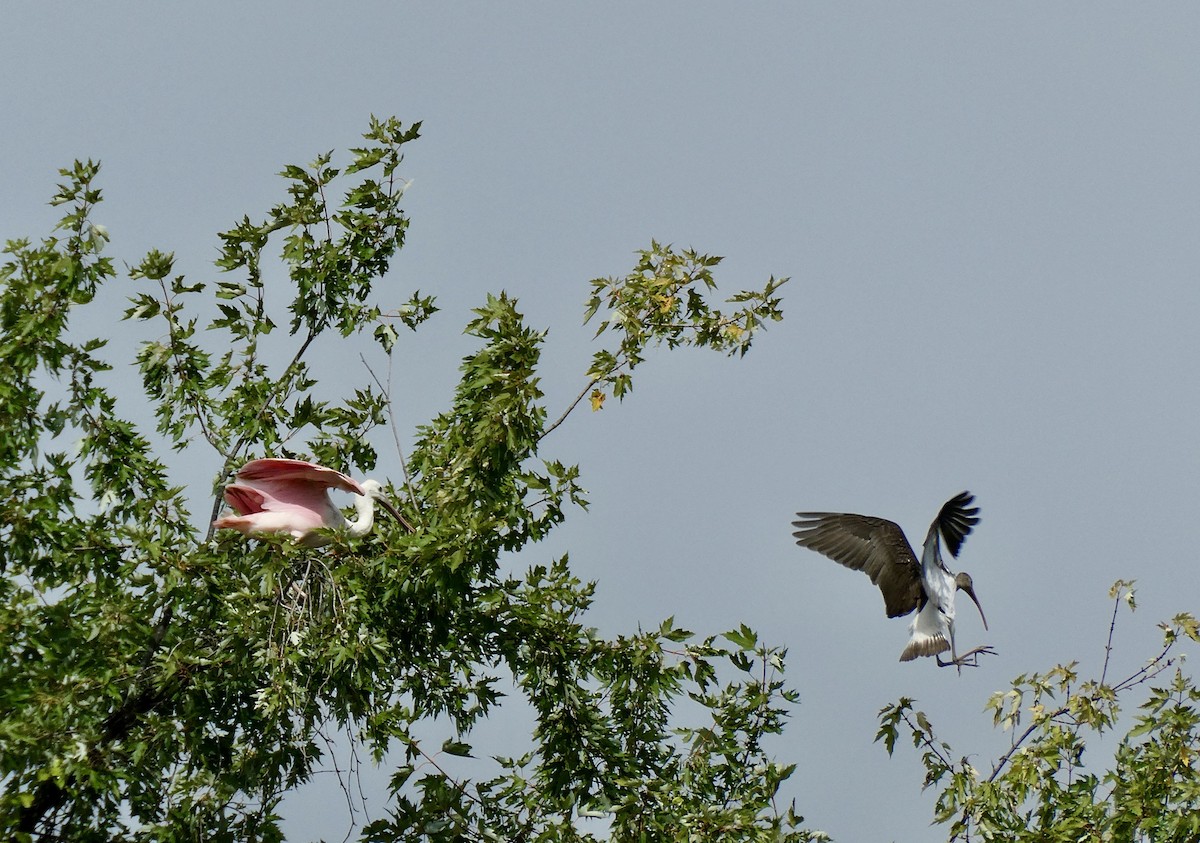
(956, 520)
(292, 485)
(875, 546)
(278, 470)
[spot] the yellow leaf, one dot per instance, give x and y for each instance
(597, 400)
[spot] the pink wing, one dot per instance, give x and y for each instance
(297, 484)
(284, 496)
(258, 512)
(259, 472)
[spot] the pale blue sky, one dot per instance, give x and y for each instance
(988, 213)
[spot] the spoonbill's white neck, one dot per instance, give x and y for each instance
(364, 505)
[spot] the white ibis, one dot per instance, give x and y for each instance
(292, 496)
(878, 548)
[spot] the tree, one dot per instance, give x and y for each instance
(161, 683)
(1040, 790)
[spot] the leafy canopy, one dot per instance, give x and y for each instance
(1041, 789)
(165, 684)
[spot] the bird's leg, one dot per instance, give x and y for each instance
(967, 659)
(954, 659)
(974, 654)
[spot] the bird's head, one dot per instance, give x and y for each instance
(963, 581)
(373, 490)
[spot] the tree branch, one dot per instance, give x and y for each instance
(591, 385)
(387, 393)
(1112, 626)
(241, 443)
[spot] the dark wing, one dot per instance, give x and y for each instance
(875, 546)
(956, 520)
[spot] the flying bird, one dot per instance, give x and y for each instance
(292, 496)
(878, 548)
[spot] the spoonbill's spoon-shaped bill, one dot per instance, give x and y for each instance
(878, 548)
(292, 497)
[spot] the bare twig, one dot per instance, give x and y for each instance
(1147, 671)
(460, 785)
(241, 443)
(351, 808)
(1004, 759)
(1112, 626)
(387, 394)
(927, 740)
(324, 207)
(172, 325)
(590, 386)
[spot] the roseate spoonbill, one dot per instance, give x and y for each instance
(292, 496)
(878, 548)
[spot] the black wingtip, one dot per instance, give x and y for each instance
(956, 520)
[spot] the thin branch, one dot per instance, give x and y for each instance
(1112, 626)
(172, 325)
(1147, 671)
(1004, 759)
(683, 326)
(1143, 674)
(387, 394)
(324, 207)
(412, 496)
(351, 809)
(233, 452)
(927, 740)
(591, 385)
(355, 765)
(461, 786)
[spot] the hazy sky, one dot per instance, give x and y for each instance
(988, 212)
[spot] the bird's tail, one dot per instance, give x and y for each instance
(926, 635)
(923, 644)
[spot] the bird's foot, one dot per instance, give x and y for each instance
(967, 659)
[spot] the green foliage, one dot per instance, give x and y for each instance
(663, 301)
(333, 257)
(165, 684)
(1040, 789)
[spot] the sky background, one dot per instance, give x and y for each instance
(988, 213)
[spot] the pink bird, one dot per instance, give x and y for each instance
(292, 496)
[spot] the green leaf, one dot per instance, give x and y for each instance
(743, 637)
(453, 747)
